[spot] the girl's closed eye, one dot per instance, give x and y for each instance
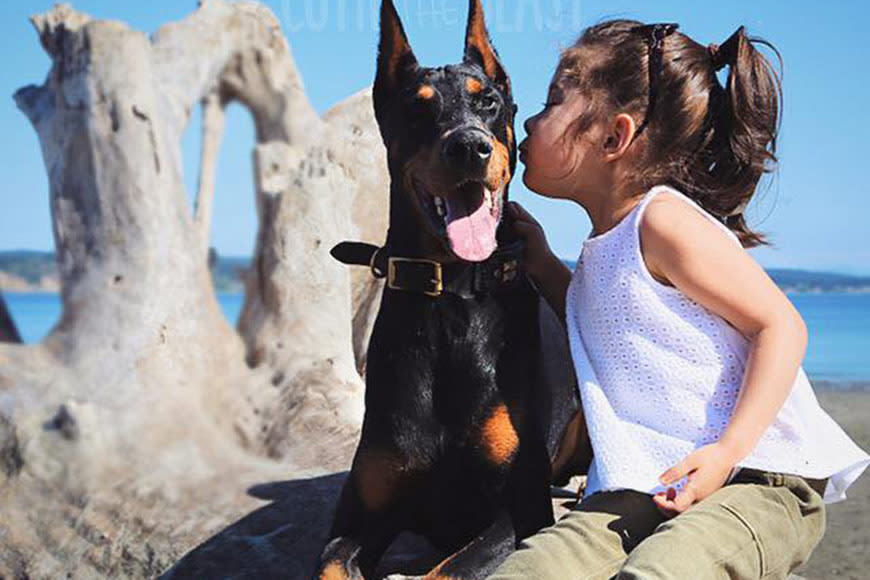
(550, 102)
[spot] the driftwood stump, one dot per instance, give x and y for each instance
(144, 424)
(8, 330)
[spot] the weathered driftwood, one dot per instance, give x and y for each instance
(134, 430)
(8, 330)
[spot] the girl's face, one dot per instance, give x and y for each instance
(559, 168)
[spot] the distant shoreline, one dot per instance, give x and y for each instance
(841, 386)
(857, 383)
(30, 271)
(38, 289)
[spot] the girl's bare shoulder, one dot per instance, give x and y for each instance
(670, 224)
(678, 240)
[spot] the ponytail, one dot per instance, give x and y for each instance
(745, 116)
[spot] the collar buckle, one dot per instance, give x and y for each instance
(436, 281)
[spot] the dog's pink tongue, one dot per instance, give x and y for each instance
(472, 236)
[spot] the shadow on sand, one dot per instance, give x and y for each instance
(284, 538)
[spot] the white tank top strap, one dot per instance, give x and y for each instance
(649, 195)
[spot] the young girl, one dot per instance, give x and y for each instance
(712, 457)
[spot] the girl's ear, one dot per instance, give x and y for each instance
(618, 137)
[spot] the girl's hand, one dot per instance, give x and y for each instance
(537, 249)
(551, 276)
(707, 469)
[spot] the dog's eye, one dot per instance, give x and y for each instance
(420, 114)
(488, 103)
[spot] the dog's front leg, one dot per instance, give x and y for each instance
(366, 517)
(477, 559)
(357, 542)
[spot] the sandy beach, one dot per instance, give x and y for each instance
(844, 552)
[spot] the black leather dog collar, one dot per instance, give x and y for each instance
(432, 278)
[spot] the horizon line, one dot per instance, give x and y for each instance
(856, 274)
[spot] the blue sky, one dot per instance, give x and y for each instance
(815, 209)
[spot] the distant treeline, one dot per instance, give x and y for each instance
(33, 266)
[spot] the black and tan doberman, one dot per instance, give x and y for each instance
(466, 423)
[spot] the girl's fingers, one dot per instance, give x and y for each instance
(685, 499)
(520, 212)
(664, 505)
(673, 474)
(678, 471)
(523, 229)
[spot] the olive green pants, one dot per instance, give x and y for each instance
(761, 525)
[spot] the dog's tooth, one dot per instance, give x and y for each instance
(439, 206)
(488, 195)
(495, 205)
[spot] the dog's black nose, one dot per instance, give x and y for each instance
(467, 150)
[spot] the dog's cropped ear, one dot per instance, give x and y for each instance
(396, 60)
(480, 51)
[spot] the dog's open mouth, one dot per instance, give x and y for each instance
(467, 216)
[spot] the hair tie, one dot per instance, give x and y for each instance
(726, 54)
(713, 51)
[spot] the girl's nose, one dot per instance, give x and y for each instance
(527, 125)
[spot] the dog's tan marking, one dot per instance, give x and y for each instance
(498, 171)
(510, 135)
(333, 571)
(426, 92)
(377, 473)
(473, 85)
(498, 436)
(435, 573)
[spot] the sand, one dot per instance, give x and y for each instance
(844, 552)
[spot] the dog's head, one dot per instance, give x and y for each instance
(449, 137)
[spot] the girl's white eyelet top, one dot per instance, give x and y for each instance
(659, 375)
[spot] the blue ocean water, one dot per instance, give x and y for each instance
(839, 326)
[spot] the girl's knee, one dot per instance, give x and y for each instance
(649, 563)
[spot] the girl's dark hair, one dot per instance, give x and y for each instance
(711, 142)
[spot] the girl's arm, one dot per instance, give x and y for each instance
(553, 277)
(685, 249)
(548, 271)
